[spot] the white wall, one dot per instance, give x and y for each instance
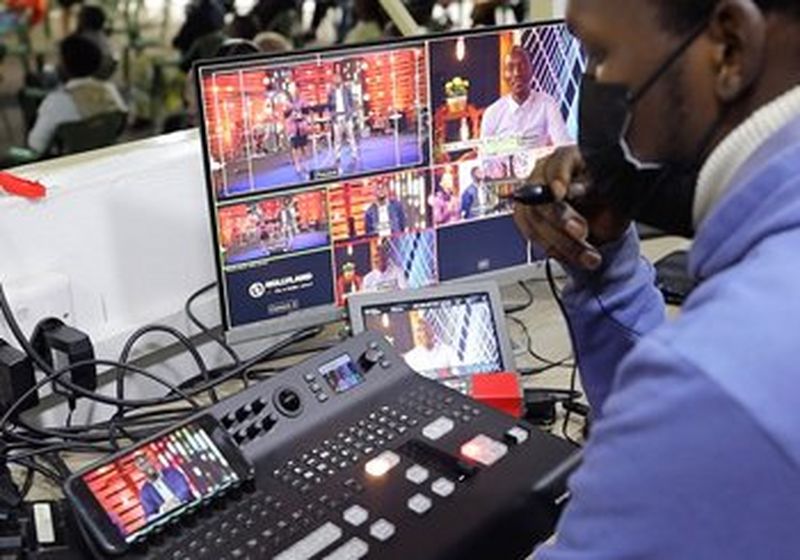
(121, 239)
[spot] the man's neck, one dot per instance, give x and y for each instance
(521, 99)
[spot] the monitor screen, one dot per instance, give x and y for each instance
(154, 482)
(441, 338)
(379, 167)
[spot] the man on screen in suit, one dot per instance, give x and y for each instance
(164, 490)
(343, 107)
(385, 216)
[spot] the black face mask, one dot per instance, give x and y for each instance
(656, 194)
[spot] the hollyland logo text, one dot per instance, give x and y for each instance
(258, 290)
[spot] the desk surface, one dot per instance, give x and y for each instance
(543, 320)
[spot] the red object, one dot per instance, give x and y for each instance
(21, 187)
(498, 390)
(37, 8)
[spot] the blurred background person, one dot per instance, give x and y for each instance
(82, 96)
(92, 25)
(370, 24)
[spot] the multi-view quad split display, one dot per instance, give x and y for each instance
(378, 168)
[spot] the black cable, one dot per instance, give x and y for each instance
(549, 364)
(96, 396)
(574, 375)
(41, 469)
(269, 352)
(212, 335)
(27, 484)
(522, 307)
(205, 329)
(71, 447)
(184, 341)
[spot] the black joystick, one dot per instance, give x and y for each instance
(371, 357)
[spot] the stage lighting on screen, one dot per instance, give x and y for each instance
(379, 167)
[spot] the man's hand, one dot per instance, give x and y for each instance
(569, 231)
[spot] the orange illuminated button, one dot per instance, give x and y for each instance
(382, 464)
(484, 450)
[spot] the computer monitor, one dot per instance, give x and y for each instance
(445, 333)
(377, 167)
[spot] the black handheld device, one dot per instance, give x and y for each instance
(530, 194)
(131, 494)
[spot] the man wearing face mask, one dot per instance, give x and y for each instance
(690, 121)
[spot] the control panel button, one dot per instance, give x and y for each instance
(382, 464)
(419, 504)
(312, 544)
(438, 428)
(484, 450)
(417, 474)
(309, 377)
(322, 397)
(355, 515)
(443, 487)
(382, 530)
(353, 549)
(517, 435)
(288, 402)
(257, 406)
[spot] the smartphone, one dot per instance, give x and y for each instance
(125, 497)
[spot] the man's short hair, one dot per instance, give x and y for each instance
(681, 16)
(91, 18)
(81, 56)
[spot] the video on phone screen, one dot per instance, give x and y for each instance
(155, 481)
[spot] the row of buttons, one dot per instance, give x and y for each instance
(361, 439)
(314, 386)
(427, 402)
(243, 413)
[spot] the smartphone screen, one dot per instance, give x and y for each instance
(131, 493)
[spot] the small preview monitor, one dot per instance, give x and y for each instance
(127, 496)
(443, 333)
(376, 168)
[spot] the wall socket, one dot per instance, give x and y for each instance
(33, 299)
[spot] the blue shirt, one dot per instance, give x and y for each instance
(696, 449)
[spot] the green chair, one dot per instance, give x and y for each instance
(73, 137)
(89, 134)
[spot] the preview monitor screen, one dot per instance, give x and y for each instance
(154, 482)
(377, 168)
(442, 338)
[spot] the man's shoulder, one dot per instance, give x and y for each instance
(497, 106)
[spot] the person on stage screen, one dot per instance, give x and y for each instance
(385, 216)
(342, 107)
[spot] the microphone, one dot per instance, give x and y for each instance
(525, 192)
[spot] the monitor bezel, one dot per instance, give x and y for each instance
(329, 313)
(357, 303)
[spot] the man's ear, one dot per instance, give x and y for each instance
(738, 29)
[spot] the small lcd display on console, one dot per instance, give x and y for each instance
(158, 480)
(342, 374)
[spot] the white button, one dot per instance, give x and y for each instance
(443, 487)
(312, 544)
(438, 428)
(518, 435)
(483, 449)
(353, 549)
(417, 474)
(419, 503)
(382, 530)
(356, 515)
(382, 464)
